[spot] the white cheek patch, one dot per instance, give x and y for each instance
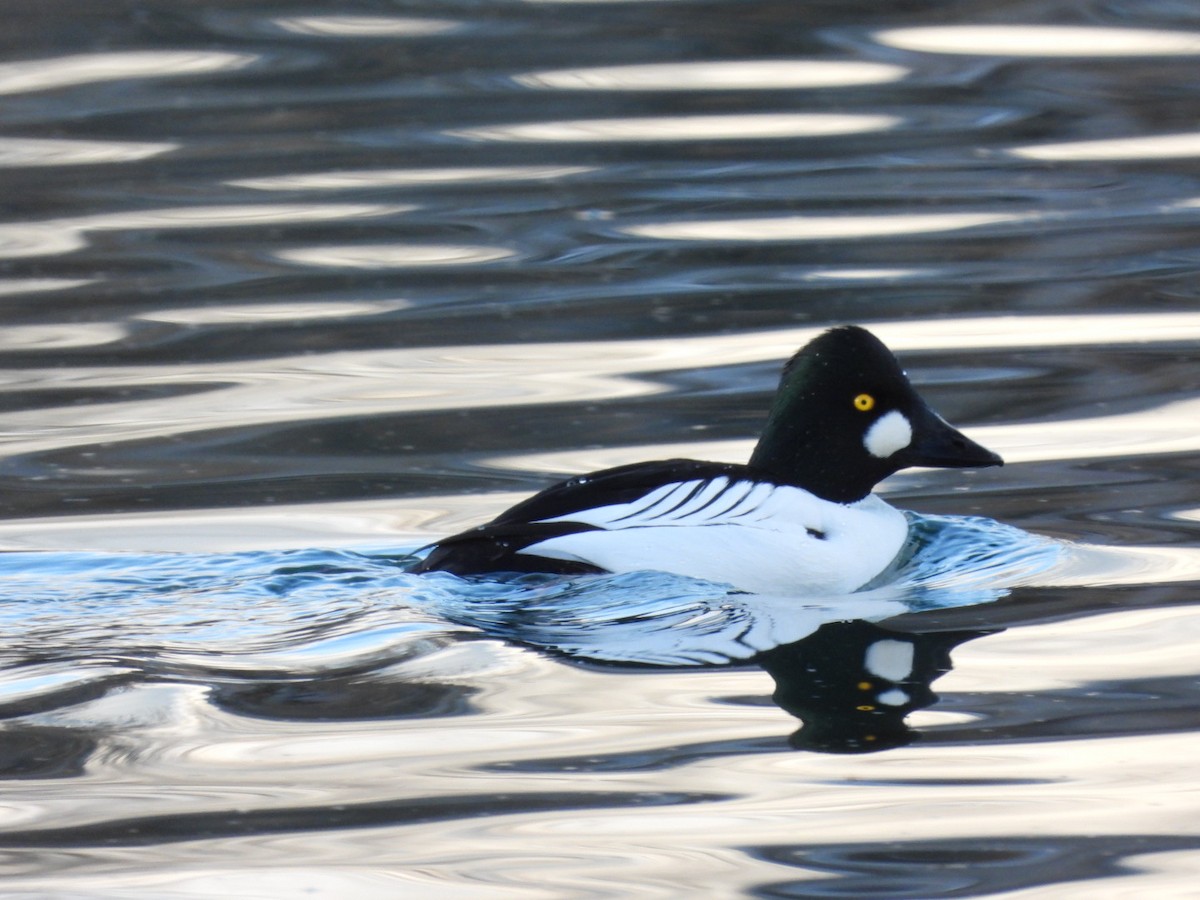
(890, 433)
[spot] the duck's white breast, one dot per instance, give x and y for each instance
(762, 538)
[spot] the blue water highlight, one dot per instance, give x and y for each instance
(315, 609)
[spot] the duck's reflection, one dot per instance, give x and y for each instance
(853, 683)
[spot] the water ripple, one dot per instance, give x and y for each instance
(65, 71)
(375, 179)
(257, 393)
(358, 27)
(189, 365)
(1047, 41)
(394, 256)
(61, 337)
(825, 228)
(41, 285)
(1150, 146)
(727, 75)
(337, 605)
(273, 312)
(746, 126)
(55, 237)
(24, 153)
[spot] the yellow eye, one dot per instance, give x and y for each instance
(864, 402)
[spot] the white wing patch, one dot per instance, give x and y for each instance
(890, 433)
(758, 537)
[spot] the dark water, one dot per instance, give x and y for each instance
(291, 290)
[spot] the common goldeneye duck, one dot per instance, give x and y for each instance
(798, 518)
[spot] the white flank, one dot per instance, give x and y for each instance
(761, 538)
(890, 433)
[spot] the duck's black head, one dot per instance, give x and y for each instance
(846, 417)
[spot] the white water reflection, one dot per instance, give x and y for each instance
(12, 286)
(362, 523)
(1089, 565)
(368, 179)
(748, 126)
(1049, 41)
(229, 412)
(365, 26)
(1131, 643)
(864, 274)
(234, 216)
(725, 75)
(1154, 146)
(1040, 331)
(819, 228)
(59, 236)
(64, 71)
(365, 383)
(1166, 428)
(590, 2)
(394, 256)
(247, 313)
(23, 153)
(38, 239)
(60, 337)
(34, 680)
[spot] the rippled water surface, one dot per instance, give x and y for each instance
(290, 290)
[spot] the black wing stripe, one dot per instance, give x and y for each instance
(752, 502)
(641, 511)
(687, 499)
(746, 486)
(716, 495)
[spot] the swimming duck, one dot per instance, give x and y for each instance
(798, 518)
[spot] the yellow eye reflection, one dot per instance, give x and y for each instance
(864, 402)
